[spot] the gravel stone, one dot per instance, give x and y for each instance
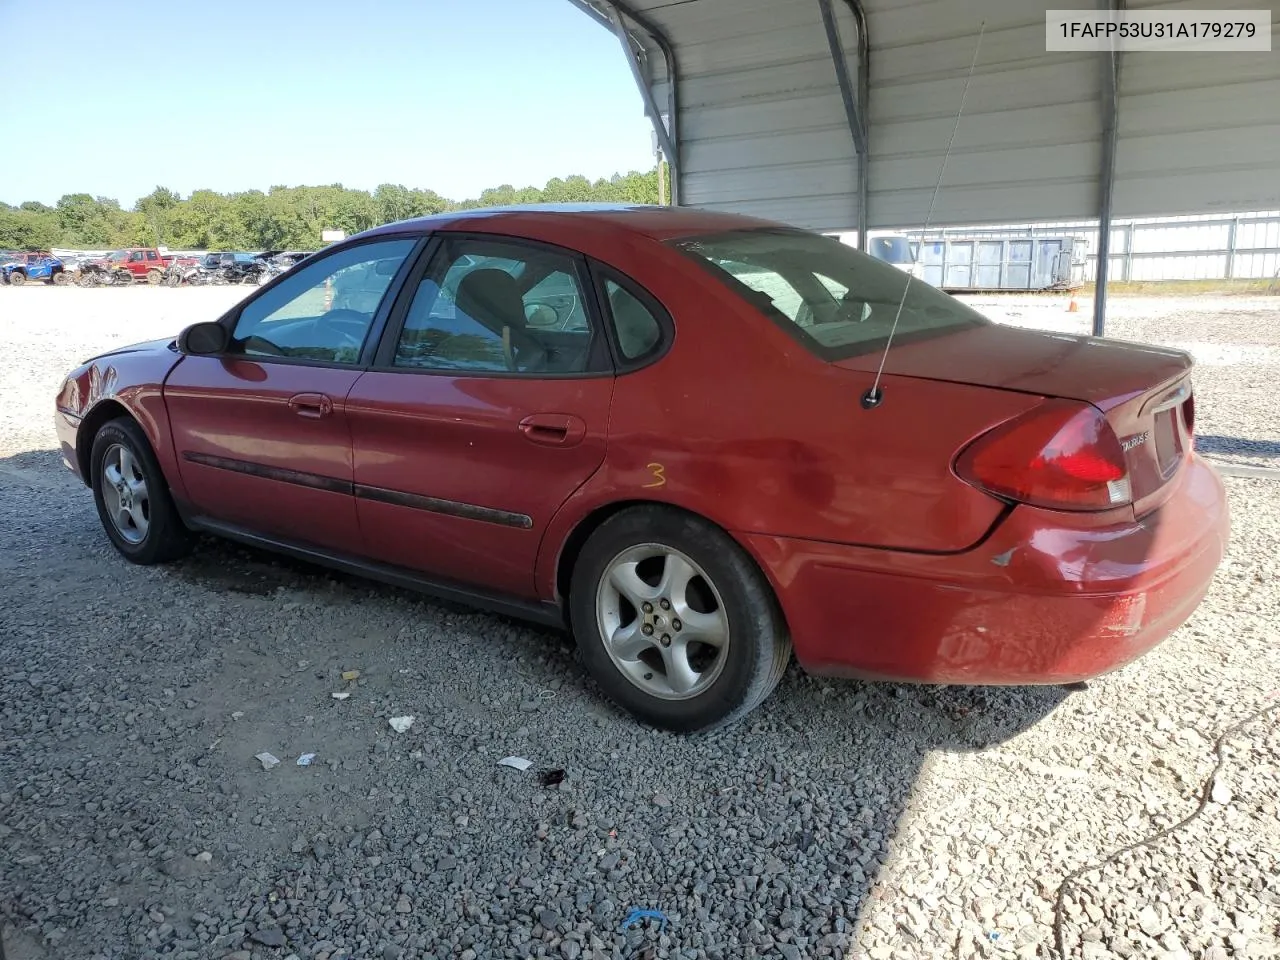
(268, 937)
(843, 819)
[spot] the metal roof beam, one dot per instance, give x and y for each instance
(668, 134)
(601, 18)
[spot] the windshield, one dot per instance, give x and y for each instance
(836, 301)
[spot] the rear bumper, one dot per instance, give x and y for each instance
(1047, 598)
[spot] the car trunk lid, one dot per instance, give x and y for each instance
(1144, 391)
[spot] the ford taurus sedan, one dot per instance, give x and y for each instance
(698, 441)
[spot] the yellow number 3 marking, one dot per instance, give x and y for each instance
(659, 478)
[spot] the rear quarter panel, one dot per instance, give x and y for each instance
(742, 425)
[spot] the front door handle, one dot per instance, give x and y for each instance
(554, 429)
(313, 406)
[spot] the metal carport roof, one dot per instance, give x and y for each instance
(796, 109)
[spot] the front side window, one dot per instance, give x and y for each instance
(495, 307)
(136, 256)
(324, 311)
(835, 300)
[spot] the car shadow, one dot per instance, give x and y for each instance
(1239, 446)
(664, 809)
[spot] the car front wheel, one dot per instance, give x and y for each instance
(132, 497)
(675, 621)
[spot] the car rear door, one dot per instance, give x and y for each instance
(473, 427)
(261, 432)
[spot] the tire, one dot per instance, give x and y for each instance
(162, 537)
(61, 278)
(17, 278)
(154, 277)
(723, 593)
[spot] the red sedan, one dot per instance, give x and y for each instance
(663, 429)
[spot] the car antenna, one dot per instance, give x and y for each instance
(874, 395)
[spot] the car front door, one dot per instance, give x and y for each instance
(475, 425)
(261, 431)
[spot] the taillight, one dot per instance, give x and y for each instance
(1062, 455)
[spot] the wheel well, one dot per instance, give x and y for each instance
(591, 522)
(89, 427)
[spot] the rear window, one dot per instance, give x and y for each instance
(835, 300)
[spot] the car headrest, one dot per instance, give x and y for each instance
(491, 297)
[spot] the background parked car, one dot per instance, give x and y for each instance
(135, 263)
(235, 267)
(33, 266)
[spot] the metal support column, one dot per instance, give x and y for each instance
(1107, 174)
(1232, 230)
(854, 102)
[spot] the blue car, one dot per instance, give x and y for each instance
(22, 267)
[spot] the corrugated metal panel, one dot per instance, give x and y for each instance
(763, 129)
(1198, 131)
(762, 126)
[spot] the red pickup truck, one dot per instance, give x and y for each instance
(142, 263)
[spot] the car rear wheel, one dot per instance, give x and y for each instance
(154, 277)
(132, 497)
(17, 278)
(674, 620)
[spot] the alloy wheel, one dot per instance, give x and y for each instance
(124, 492)
(662, 621)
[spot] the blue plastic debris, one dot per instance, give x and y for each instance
(640, 913)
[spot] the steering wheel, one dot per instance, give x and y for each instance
(346, 318)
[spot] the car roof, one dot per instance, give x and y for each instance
(647, 220)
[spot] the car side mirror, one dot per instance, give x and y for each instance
(203, 339)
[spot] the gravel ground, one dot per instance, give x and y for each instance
(842, 820)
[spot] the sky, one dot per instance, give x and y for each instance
(449, 95)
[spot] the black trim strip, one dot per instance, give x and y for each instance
(449, 508)
(534, 611)
(315, 481)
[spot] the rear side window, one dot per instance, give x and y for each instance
(833, 299)
(636, 328)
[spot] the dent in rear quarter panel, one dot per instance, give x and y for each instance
(135, 381)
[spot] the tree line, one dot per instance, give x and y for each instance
(280, 218)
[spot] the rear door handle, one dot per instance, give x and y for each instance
(313, 406)
(554, 429)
